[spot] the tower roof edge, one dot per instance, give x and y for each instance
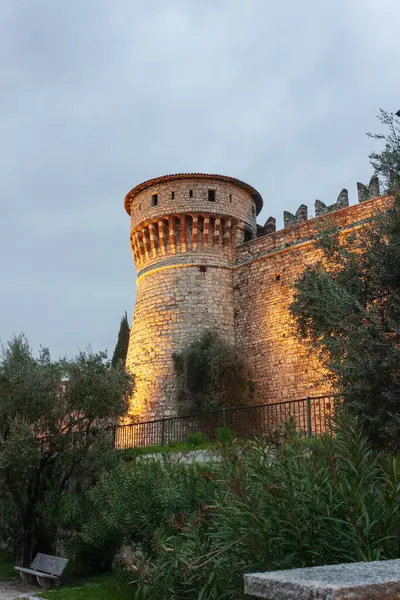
(142, 186)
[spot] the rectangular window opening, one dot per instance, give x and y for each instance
(190, 193)
(211, 195)
(248, 234)
(154, 200)
(230, 197)
(173, 195)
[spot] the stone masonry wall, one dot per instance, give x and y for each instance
(263, 275)
(172, 307)
(195, 272)
(183, 246)
(174, 197)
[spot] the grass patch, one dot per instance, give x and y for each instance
(130, 453)
(6, 566)
(105, 587)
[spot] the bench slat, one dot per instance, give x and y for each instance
(40, 573)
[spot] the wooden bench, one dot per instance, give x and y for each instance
(45, 569)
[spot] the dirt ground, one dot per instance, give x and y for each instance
(15, 588)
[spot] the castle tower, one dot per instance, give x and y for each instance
(184, 229)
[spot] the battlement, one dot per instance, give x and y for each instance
(306, 231)
(364, 192)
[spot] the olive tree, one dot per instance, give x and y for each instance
(53, 432)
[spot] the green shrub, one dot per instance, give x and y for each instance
(225, 435)
(302, 503)
(173, 444)
(264, 506)
(196, 439)
(94, 552)
(142, 501)
(210, 373)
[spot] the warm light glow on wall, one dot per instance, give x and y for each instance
(195, 273)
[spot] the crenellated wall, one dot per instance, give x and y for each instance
(364, 192)
(264, 272)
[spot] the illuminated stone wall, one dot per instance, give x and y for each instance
(263, 274)
(172, 307)
(196, 271)
(183, 242)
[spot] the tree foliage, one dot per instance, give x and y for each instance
(121, 348)
(210, 373)
(200, 528)
(348, 307)
(387, 162)
(52, 414)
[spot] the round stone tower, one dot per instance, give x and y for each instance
(184, 229)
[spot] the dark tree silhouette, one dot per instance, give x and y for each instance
(121, 347)
(348, 305)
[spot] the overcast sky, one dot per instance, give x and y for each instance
(99, 95)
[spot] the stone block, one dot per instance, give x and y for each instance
(378, 580)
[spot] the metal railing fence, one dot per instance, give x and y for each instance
(311, 417)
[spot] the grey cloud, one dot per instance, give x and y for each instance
(98, 95)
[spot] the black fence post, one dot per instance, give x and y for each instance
(114, 436)
(309, 423)
(163, 432)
